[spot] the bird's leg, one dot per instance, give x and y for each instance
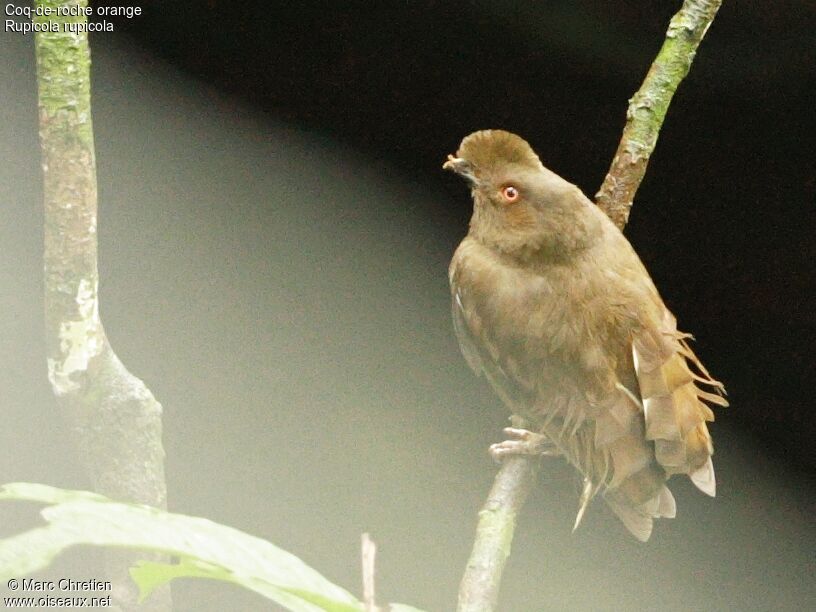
(523, 442)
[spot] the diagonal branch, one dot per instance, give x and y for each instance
(648, 107)
(479, 588)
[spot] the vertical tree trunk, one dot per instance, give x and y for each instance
(115, 419)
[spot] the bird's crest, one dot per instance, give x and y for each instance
(486, 148)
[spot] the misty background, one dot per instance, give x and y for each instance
(275, 230)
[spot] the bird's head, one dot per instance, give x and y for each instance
(519, 207)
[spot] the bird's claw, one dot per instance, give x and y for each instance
(523, 442)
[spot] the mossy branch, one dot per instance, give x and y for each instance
(114, 417)
(648, 107)
(479, 588)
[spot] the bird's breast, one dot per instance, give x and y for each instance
(552, 312)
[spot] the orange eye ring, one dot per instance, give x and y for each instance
(510, 194)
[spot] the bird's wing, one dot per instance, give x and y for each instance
(463, 334)
(483, 356)
(668, 374)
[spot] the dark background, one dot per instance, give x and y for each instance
(274, 234)
(726, 216)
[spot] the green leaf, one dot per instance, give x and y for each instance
(206, 549)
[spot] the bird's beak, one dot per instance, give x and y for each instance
(460, 166)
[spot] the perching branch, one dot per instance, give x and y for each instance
(115, 419)
(479, 588)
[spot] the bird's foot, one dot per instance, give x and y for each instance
(523, 442)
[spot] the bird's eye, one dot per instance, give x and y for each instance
(510, 194)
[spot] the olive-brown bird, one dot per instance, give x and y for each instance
(551, 303)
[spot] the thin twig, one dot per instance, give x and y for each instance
(479, 588)
(369, 555)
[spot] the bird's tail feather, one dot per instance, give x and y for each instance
(639, 519)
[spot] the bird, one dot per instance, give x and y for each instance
(552, 305)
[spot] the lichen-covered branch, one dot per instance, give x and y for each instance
(479, 588)
(115, 418)
(647, 108)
